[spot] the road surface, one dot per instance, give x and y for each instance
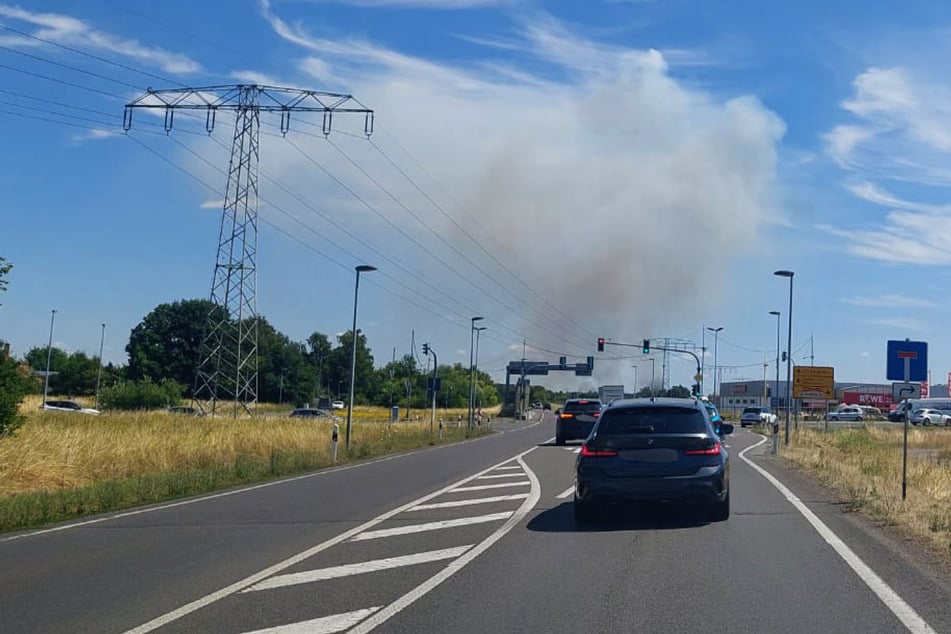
(472, 537)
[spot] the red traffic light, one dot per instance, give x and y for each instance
(600, 344)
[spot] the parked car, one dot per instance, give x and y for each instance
(337, 405)
(927, 416)
(756, 415)
(576, 419)
(662, 449)
(847, 412)
(311, 412)
(68, 406)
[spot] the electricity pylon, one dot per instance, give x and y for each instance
(228, 360)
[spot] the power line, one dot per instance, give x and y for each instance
(68, 67)
(61, 81)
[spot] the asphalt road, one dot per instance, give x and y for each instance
(473, 537)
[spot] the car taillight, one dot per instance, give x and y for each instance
(596, 414)
(596, 453)
(709, 451)
(567, 415)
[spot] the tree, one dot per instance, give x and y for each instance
(366, 383)
(319, 356)
(166, 343)
(5, 268)
(14, 384)
(71, 374)
(284, 375)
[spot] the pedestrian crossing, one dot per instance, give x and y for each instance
(393, 562)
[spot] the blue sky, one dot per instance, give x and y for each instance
(568, 170)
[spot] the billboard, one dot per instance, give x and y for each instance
(813, 381)
(881, 401)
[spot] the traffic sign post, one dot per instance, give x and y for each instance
(901, 391)
(906, 361)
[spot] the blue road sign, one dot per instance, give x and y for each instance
(907, 356)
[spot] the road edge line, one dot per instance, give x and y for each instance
(912, 621)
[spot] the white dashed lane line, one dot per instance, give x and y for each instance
(347, 570)
(431, 526)
(323, 625)
(455, 503)
(501, 475)
(483, 487)
(566, 493)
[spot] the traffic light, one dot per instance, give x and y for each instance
(646, 348)
(600, 344)
(696, 389)
(425, 348)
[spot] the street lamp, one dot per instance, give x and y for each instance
(635, 380)
(363, 268)
(49, 357)
(788, 274)
(716, 341)
(652, 377)
(102, 340)
(777, 314)
(472, 330)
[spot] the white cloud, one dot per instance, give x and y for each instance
(462, 352)
(864, 354)
(95, 135)
(899, 323)
(212, 204)
(890, 300)
(588, 185)
(901, 134)
(71, 31)
(425, 4)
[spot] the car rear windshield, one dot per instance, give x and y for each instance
(751, 410)
(583, 406)
(651, 420)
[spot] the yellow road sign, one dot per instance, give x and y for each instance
(813, 381)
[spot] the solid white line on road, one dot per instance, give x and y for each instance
(501, 475)
(323, 625)
(217, 595)
(457, 564)
(322, 574)
(431, 526)
(512, 467)
(566, 492)
(483, 487)
(904, 612)
(454, 503)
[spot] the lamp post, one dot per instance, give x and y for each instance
(652, 377)
(635, 380)
(777, 314)
(49, 357)
(472, 330)
(362, 268)
(102, 340)
(716, 382)
(788, 274)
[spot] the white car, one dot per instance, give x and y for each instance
(756, 416)
(928, 416)
(68, 406)
(337, 405)
(848, 412)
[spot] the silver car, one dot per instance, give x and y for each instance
(849, 412)
(928, 416)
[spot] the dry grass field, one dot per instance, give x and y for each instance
(61, 465)
(863, 465)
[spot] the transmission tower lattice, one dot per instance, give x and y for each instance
(228, 359)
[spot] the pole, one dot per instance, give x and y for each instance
(280, 393)
(789, 363)
(635, 379)
(49, 358)
(471, 369)
(904, 447)
(716, 366)
(703, 359)
(432, 419)
(776, 391)
(102, 340)
(652, 378)
(363, 268)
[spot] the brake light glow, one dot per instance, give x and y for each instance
(582, 402)
(563, 415)
(710, 451)
(596, 453)
(597, 414)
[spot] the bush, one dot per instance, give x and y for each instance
(141, 395)
(13, 387)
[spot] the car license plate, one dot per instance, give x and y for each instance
(648, 455)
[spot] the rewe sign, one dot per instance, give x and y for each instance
(881, 401)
